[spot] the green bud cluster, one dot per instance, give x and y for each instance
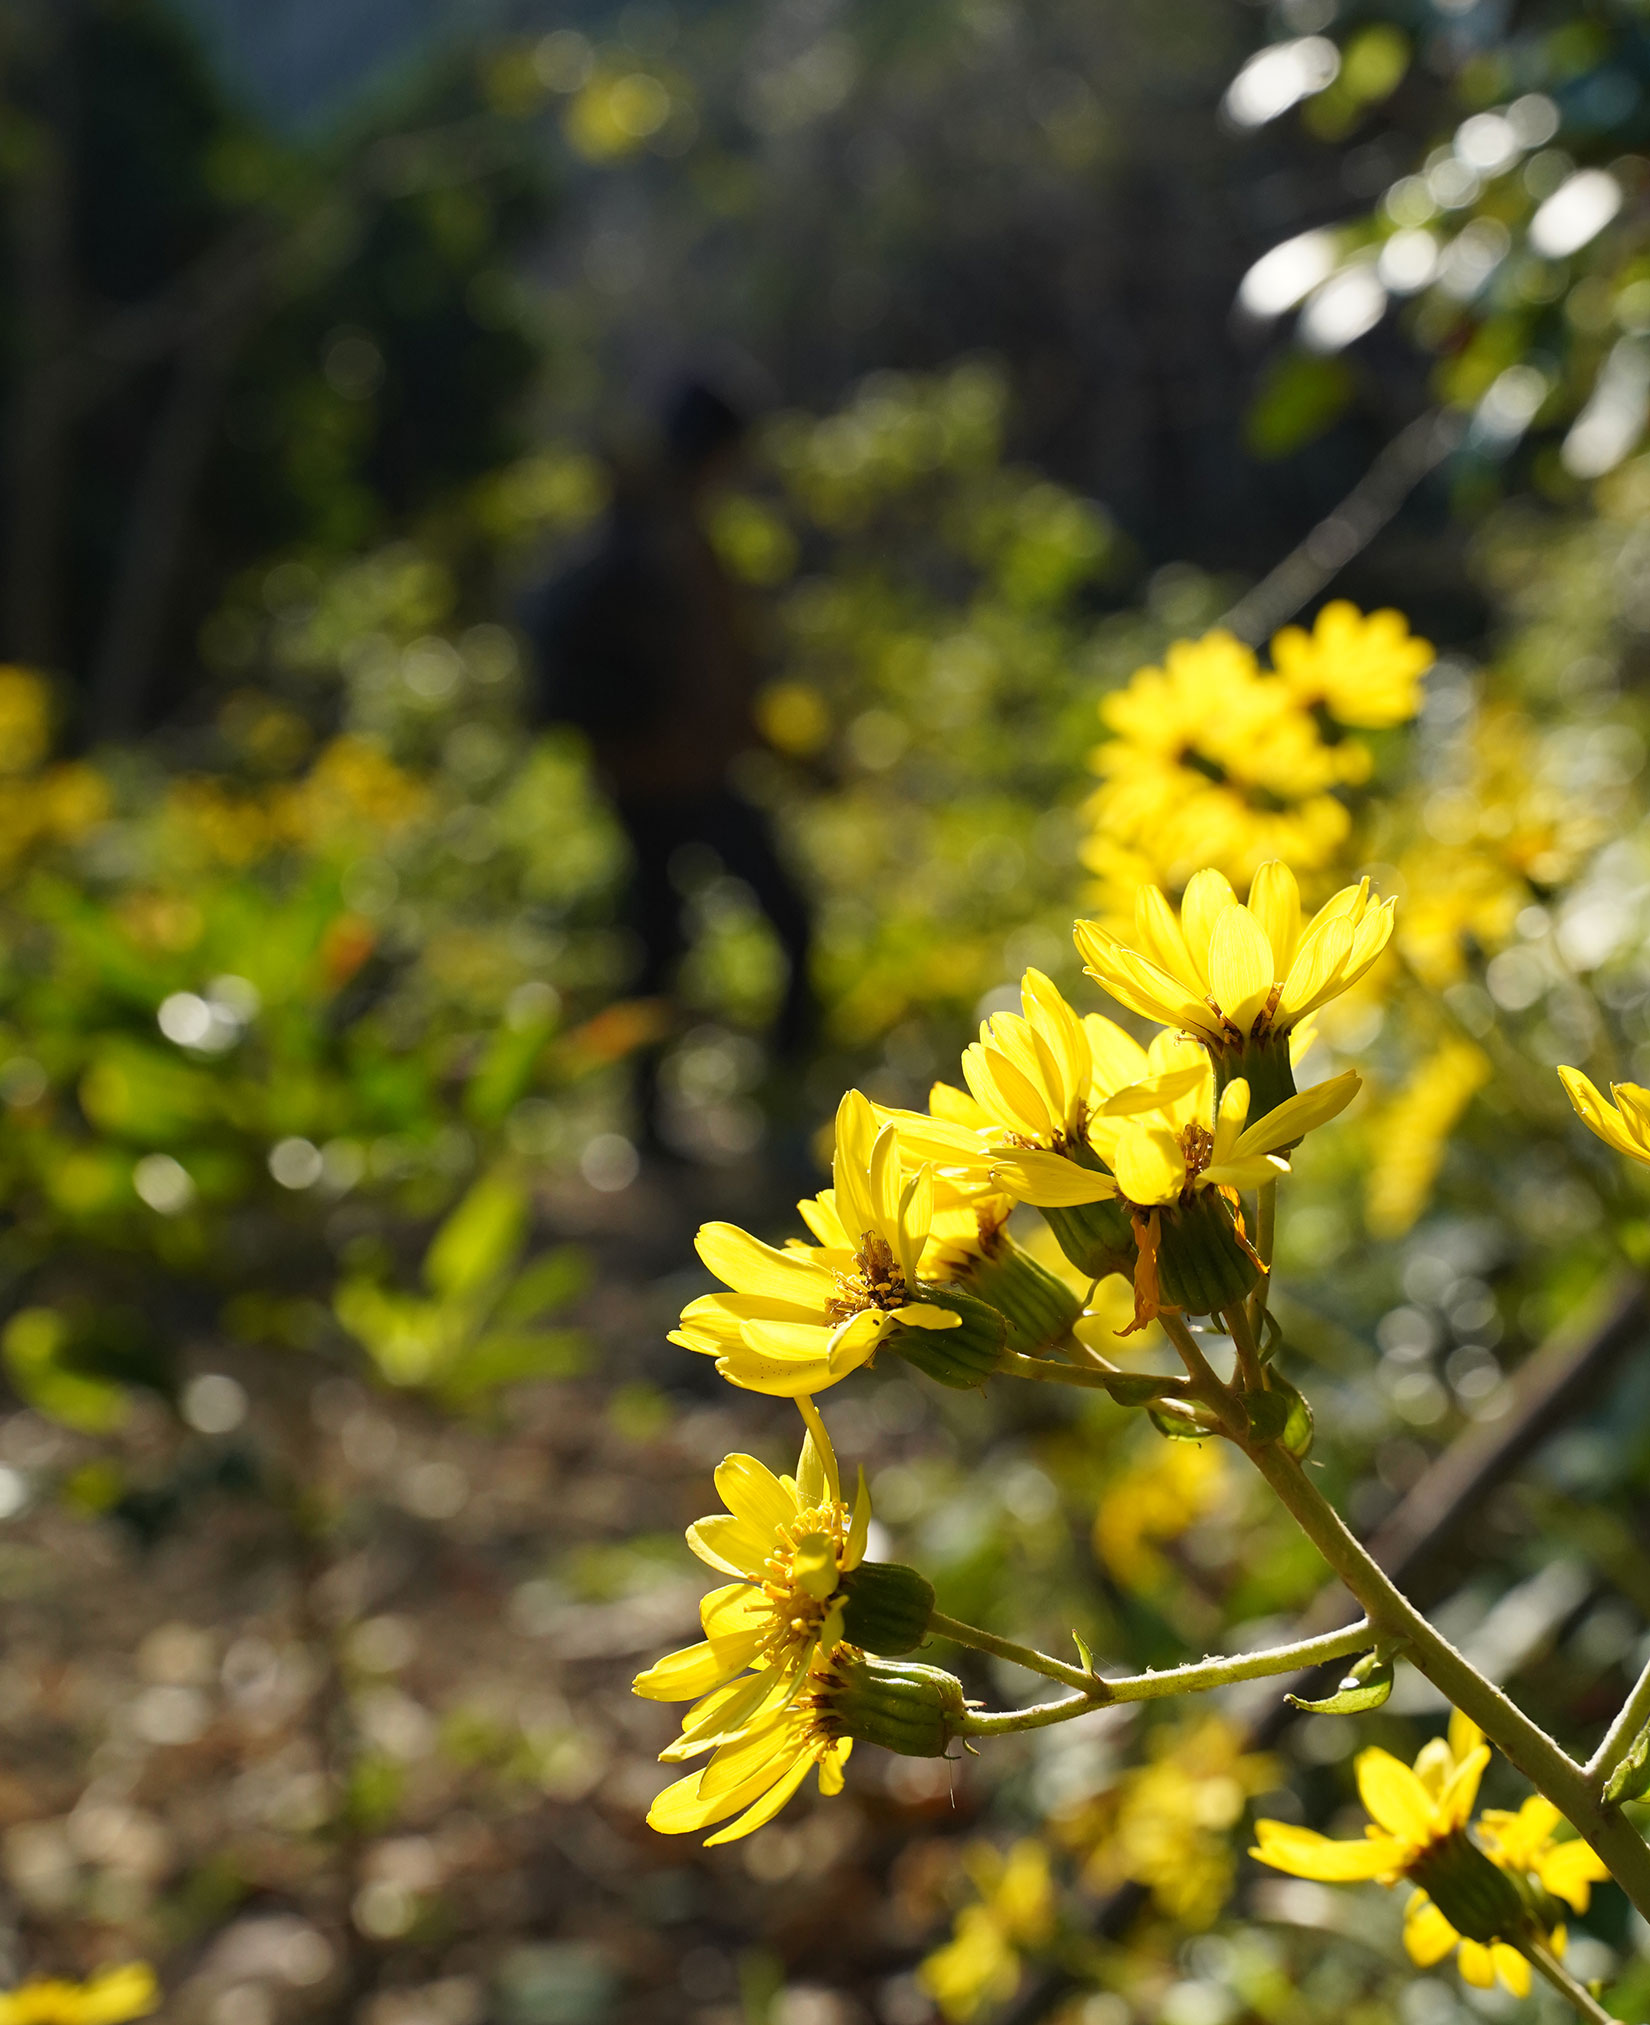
(1098, 1237)
(1202, 1265)
(963, 1357)
(1037, 1307)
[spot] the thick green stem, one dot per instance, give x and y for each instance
(1622, 1735)
(1095, 1690)
(1238, 1322)
(1205, 1381)
(1008, 1721)
(1550, 1770)
(1553, 1970)
(1214, 1673)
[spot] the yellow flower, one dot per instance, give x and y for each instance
(1035, 1079)
(1165, 1823)
(107, 1999)
(756, 1770)
(1233, 975)
(1623, 1124)
(796, 1320)
(1419, 1832)
(1363, 670)
(787, 1542)
(25, 720)
(1179, 1483)
(980, 1965)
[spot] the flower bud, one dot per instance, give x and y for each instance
(1202, 1264)
(961, 1357)
(1098, 1237)
(886, 1606)
(1038, 1309)
(914, 1710)
(1476, 1896)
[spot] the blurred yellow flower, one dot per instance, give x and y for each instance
(107, 1999)
(787, 1542)
(980, 1965)
(1408, 1135)
(1365, 671)
(25, 720)
(1623, 1123)
(1165, 1823)
(797, 1320)
(1178, 1484)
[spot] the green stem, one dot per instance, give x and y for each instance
(1098, 1376)
(1621, 1736)
(1242, 1332)
(1550, 1770)
(1266, 1228)
(1095, 1690)
(1549, 1966)
(1214, 1673)
(1008, 1721)
(1205, 1382)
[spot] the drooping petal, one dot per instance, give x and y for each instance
(1303, 1852)
(1300, 1114)
(765, 1808)
(1050, 1180)
(751, 1267)
(1428, 1936)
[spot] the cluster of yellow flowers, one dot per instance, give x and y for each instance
(111, 1998)
(42, 804)
(1136, 1156)
(1213, 760)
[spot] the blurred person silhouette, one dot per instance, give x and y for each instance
(649, 647)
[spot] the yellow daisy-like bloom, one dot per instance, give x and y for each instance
(1365, 671)
(1419, 1833)
(111, 1998)
(759, 1766)
(787, 1542)
(1239, 977)
(979, 1966)
(797, 1319)
(1623, 1124)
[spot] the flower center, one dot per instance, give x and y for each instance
(1197, 1145)
(801, 1575)
(875, 1282)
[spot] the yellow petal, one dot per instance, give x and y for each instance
(1568, 1870)
(748, 1366)
(1477, 1965)
(924, 1315)
(1150, 1165)
(1275, 902)
(817, 1477)
(1461, 1788)
(734, 1546)
(860, 1531)
(1512, 1967)
(856, 1134)
(1315, 974)
(765, 1809)
(1428, 1936)
(1395, 1798)
(813, 1565)
(751, 1267)
(1207, 897)
(1116, 1058)
(752, 1492)
(1050, 1180)
(913, 1219)
(1153, 1093)
(1303, 1852)
(1240, 967)
(831, 1764)
(695, 1670)
(1296, 1116)
(1159, 936)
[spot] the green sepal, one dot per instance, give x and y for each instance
(1280, 1414)
(1263, 1064)
(886, 1606)
(1202, 1264)
(1365, 1687)
(963, 1357)
(1134, 1388)
(1037, 1307)
(1478, 1898)
(1097, 1237)
(1631, 1778)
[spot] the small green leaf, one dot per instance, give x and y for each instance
(1179, 1421)
(1280, 1414)
(1365, 1687)
(1631, 1778)
(1130, 1388)
(1268, 1414)
(1083, 1652)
